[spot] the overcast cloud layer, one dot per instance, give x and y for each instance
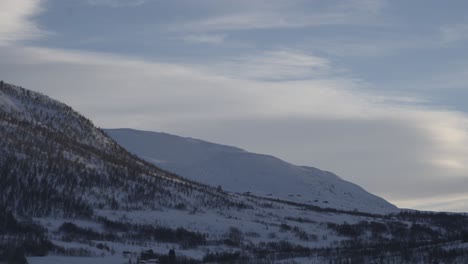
(227, 73)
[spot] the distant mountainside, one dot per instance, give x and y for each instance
(237, 170)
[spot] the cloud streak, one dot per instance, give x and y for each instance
(248, 15)
(117, 3)
(274, 65)
(454, 33)
(15, 20)
(214, 39)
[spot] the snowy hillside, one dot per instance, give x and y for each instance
(240, 171)
(55, 161)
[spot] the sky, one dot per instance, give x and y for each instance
(374, 91)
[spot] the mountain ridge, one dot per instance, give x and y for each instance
(237, 170)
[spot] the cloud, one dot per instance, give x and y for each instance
(370, 46)
(450, 203)
(454, 33)
(405, 152)
(214, 39)
(450, 82)
(247, 15)
(15, 20)
(274, 65)
(117, 3)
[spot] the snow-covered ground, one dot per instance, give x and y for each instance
(77, 260)
(263, 223)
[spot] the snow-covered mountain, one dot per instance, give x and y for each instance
(240, 171)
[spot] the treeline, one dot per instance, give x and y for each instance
(393, 253)
(138, 233)
(411, 226)
(21, 238)
(407, 237)
(169, 258)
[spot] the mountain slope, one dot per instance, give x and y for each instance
(237, 170)
(53, 161)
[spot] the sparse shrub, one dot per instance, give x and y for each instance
(234, 237)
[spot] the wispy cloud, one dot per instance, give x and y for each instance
(370, 46)
(275, 65)
(454, 33)
(282, 14)
(214, 39)
(16, 22)
(450, 81)
(456, 202)
(117, 3)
